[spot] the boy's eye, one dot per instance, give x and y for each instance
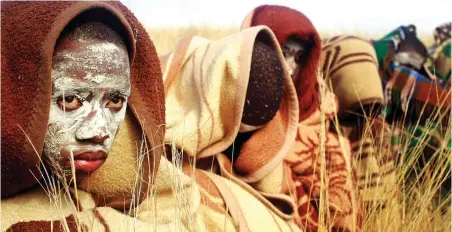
(115, 103)
(286, 53)
(299, 57)
(69, 103)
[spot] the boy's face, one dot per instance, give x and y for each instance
(410, 59)
(294, 52)
(91, 85)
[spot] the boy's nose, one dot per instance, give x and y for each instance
(93, 128)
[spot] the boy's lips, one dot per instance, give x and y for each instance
(88, 160)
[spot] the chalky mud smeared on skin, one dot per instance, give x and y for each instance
(412, 60)
(291, 50)
(91, 84)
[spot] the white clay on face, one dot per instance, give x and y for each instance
(409, 58)
(290, 50)
(94, 73)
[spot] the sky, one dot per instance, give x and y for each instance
(327, 15)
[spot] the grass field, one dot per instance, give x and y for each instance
(420, 207)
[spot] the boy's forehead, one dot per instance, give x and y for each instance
(293, 43)
(84, 59)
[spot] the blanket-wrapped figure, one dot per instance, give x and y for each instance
(417, 90)
(318, 166)
(71, 71)
(350, 64)
(231, 118)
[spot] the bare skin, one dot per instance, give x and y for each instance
(91, 85)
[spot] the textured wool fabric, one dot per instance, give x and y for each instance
(303, 168)
(285, 22)
(35, 211)
(350, 63)
(265, 86)
(206, 83)
(26, 80)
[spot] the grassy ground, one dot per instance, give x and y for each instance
(416, 196)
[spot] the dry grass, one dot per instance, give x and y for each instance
(420, 207)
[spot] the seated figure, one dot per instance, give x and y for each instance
(231, 118)
(69, 77)
(318, 165)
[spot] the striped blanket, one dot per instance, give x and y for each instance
(415, 95)
(391, 41)
(387, 46)
(350, 63)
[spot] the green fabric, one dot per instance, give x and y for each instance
(419, 135)
(446, 49)
(397, 33)
(395, 140)
(382, 49)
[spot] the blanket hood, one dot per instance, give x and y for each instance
(205, 88)
(26, 56)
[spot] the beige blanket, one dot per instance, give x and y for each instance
(205, 87)
(350, 64)
(65, 209)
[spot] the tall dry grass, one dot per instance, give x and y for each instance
(415, 204)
